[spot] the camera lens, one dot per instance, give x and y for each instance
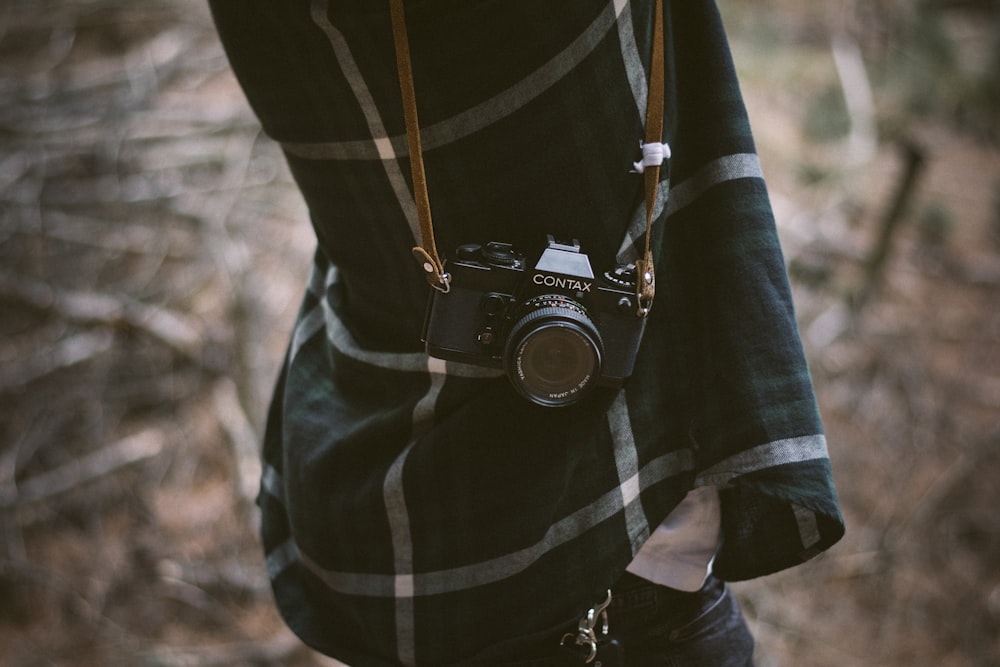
(554, 353)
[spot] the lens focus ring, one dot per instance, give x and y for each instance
(554, 353)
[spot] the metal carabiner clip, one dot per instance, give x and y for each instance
(589, 640)
(585, 635)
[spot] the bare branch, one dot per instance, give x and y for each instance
(915, 160)
(229, 576)
(862, 143)
(181, 332)
(276, 650)
(242, 437)
(143, 445)
(68, 352)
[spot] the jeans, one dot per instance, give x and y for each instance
(657, 626)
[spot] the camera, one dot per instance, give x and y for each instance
(555, 329)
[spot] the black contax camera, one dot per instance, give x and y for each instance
(555, 329)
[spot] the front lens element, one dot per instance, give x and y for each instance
(553, 355)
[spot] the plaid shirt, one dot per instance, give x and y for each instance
(418, 512)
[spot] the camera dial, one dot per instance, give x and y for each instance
(622, 276)
(502, 254)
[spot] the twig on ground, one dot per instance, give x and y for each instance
(276, 650)
(67, 352)
(133, 238)
(180, 332)
(143, 445)
(242, 437)
(966, 463)
(915, 159)
(229, 576)
(862, 142)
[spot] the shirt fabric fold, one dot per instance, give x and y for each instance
(419, 512)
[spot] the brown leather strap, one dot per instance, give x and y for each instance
(426, 253)
(646, 273)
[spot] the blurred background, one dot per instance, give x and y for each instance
(153, 251)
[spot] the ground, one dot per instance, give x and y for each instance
(152, 253)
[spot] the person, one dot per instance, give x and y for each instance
(419, 510)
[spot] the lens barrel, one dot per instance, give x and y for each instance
(554, 353)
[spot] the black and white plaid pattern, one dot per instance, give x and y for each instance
(416, 511)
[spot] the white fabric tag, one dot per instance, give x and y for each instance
(653, 155)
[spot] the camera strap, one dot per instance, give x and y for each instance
(645, 272)
(426, 253)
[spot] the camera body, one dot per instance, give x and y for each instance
(555, 328)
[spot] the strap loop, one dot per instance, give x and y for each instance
(653, 155)
(426, 253)
(438, 278)
(646, 284)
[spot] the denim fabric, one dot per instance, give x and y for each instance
(660, 627)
